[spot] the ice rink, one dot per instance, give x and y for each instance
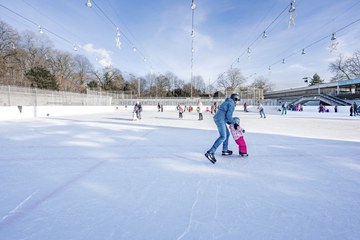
(102, 177)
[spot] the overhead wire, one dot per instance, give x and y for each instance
(307, 36)
(36, 24)
(72, 43)
(316, 42)
(260, 35)
(144, 58)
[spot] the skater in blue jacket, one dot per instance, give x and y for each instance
(222, 117)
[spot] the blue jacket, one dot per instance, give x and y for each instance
(225, 112)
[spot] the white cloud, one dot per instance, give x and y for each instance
(101, 54)
(298, 66)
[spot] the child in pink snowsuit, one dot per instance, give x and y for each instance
(238, 137)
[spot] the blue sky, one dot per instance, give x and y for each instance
(161, 33)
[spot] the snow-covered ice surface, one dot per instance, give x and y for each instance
(107, 177)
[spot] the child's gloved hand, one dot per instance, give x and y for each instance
(243, 130)
(236, 126)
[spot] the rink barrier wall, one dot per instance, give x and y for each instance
(29, 112)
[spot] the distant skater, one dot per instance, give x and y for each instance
(200, 110)
(284, 108)
(137, 111)
(261, 110)
(181, 111)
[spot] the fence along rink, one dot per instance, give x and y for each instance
(24, 96)
(21, 96)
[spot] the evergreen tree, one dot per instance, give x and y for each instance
(42, 78)
(315, 80)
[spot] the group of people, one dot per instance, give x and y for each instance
(354, 109)
(225, 122)
(199, 109)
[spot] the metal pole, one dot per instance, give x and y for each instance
(138, 87)
(9, 98)
(193, 7)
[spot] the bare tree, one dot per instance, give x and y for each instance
(8, 49)
(262, 83)
(353, 64)
(36, 50)
(61, 65)
(199, 85)
(231, 80)
(83, 70)
(150, 84)
(340, 68)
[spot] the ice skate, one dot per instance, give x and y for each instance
(227, 153)
(243, 154)
(211, 157)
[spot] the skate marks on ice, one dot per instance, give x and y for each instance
(206, 197)
(16, 209)
(187, 229)
(198, 164)
(26, 206)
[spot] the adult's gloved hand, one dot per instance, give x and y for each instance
(236, 125)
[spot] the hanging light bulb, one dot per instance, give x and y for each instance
(333, 37)
(134, 49)
(192, 33)
(88, 3)
(292, 6)
(264, 35)
(283, 61)
(13, 46)
(248, 53)
(40, 30)
(269, 68)
(292, 14)
(117, 39)
(75, 47)
(303, 51)
(193, 5)
(334, 43)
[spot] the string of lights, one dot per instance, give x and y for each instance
(41, 28)
(75, 46)
(262, 35)
(52, 20)
(90, 4)
(134, 49)
(305, 37)
(332, 46)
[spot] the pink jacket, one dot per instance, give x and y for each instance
(236, 133)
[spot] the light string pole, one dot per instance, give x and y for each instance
(193, 7)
